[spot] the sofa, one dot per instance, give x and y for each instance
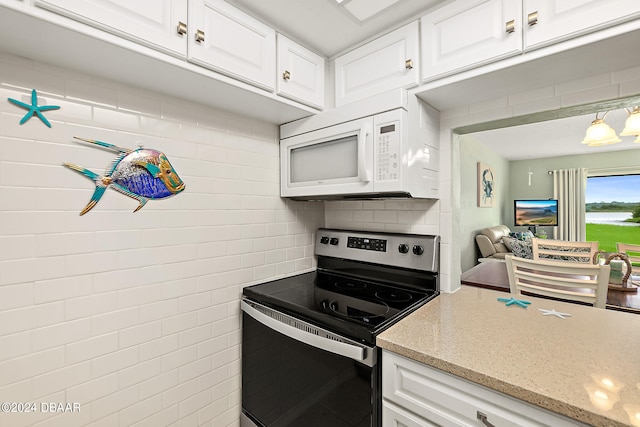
(490, 242)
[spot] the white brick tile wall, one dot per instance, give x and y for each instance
(126, 312)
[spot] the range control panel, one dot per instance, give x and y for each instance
(415, 251)
(367, 243)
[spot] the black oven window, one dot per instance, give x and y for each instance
(286, 383)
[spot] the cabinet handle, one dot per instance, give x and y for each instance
(510, 27)
(182, 28)
(408, 64)
(199, 36)
(286, 75)
(483, 419)
(532, 18)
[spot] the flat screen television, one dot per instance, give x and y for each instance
(534, 213)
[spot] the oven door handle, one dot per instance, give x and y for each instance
(343, 349)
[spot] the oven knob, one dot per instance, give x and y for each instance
(324, 240)
(418, 250)
(403, 248)
(333, 241)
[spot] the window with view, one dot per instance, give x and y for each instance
(613, 210)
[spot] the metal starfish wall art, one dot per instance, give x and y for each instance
(34, 108)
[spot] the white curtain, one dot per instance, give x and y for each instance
(569, 187)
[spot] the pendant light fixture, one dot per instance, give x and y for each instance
(632, 125)
(600, 133)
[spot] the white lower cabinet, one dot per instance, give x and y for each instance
(416, 395)
(395, 416)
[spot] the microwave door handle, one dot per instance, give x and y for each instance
(363, 171)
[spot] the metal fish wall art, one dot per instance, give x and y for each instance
(141, 174)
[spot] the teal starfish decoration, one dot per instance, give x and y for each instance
(34, 108)
(513, 301)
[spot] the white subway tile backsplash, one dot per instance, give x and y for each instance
(62, 379)
(91, 348)
(125, 311)
(164, 417)
(37, 363)
(94, 389)
(194, 335)
(114, 402)
(15, 345)
(590, 95)
(156, 348)
(113, 362)
(91, 305)
(140, 372)
(32, 317)
(140, 410)
(139, 334)
(61, 334)
(159, 383)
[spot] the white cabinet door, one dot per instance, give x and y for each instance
(153, 23)
(231, 42)
(550, 21)
(300, 74)
(388, 62)
(441, 399)
(468, 33)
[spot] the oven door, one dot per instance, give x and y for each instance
(331, 161)
(296, 374)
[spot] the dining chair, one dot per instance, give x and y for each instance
(562, 250)
(633, 255)
(568, 281)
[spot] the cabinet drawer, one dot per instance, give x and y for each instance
(394, 416)
(447, 400)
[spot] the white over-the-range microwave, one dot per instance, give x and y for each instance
(384, 147)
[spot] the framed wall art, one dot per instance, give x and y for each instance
(486, 186)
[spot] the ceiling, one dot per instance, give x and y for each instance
(328, 28)
(561, 137)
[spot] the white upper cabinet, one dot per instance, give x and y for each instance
(388, 62)
(160, 25)
(550, 21)
(300, 73)
(231, 42)
(466, 34)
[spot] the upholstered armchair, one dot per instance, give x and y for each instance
(490, 242)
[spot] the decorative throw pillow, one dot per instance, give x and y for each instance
(519, 248)
(521, 235)
(567, 257)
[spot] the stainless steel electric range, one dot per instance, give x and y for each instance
(309, 357)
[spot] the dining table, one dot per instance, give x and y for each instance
(494, 275)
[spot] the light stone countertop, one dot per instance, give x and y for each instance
(586, 366)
